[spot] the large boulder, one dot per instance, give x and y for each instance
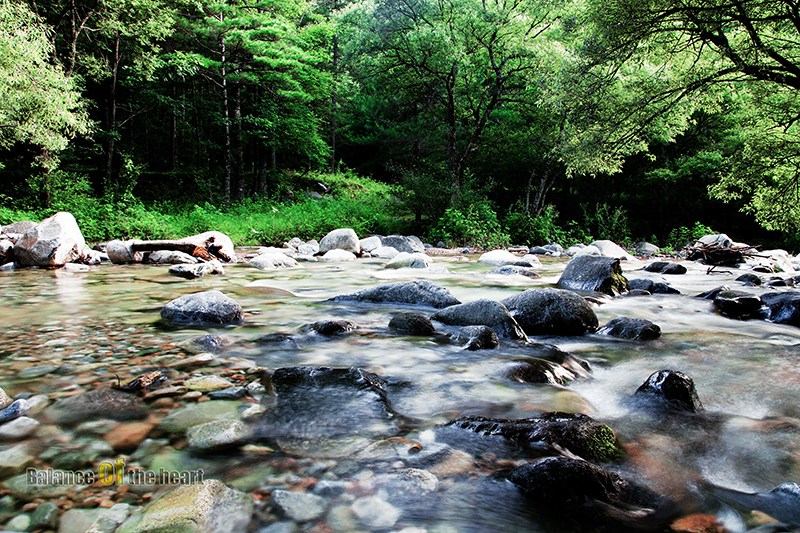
(54, 242)
(340, 239)
(482, 313)
(206, 507)
(385, 252)
(612, 249)
(782, 307)
(209, 308)
(338, 256)
(647, 249)
(409, 244)
(551, 312)
(417, 292)
(624, 327)
(599, 274)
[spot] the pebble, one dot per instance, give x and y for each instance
(36, 371)
(127, 437)
(217, 435)
(373, 511)
(228, 394)
(15, 460)
(18, 429)
(298, 506)
(207, 383)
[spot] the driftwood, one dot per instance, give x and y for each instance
(716, 255)
(178, 246)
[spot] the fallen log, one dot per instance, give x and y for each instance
(178, 246)
(716, 255)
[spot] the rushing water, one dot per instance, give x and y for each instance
(747, 373)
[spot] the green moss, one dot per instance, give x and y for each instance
(602, 444)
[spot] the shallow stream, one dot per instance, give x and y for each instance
(747, 373)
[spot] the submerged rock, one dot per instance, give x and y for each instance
(323, 402)
(418, 292)
(96, 404)
(407, 260)
(670, 389)
(781, 503)
(333, 327)
(782, 307)
(412, 323)
(482, 312)
(599, 274)
(209, 308)
(574, 490)
(272, 260)
(207, 507)
(652, 287)
(510, 270)
(631, 328)
(476, 338)
(547, 434)
(551, 312)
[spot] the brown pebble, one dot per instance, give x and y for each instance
(28, 507)
(127, 437)
(698, 523)
(162, 403)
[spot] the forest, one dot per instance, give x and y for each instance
(488, 122)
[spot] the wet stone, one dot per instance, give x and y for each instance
(482, 312)
(418, 292)
(298, 506)
(45, 516)
(180, 420)
(36, 371)
(231, 393)
(18, 429)
(666, 267)
(551, 312)
(750, 279)
(539, 371)
(669, 389)
(100, 519)
(783, 307)
(14, 411)
(333, 327)
(590, 273)
(476, 338)
(631, 328)
(217, 435)
(207, 383)
(373, 511)
(97, 404)
(412, 324)
(14, 460)
(210, 308)
(737, 304)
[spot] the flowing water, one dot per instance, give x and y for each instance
(747, 373)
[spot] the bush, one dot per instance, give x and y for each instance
(538, 230)
(680, 237)
(475, 226)
(606, 222)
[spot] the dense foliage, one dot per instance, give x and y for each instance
(488, 123)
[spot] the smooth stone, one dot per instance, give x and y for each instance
(551, 312)
(99, 519)
(179, 420)
(482, 312)
(45, 516)
(665, 267)
(509, 270)
(384, 252)
(298, 506)
(210, 308)
(36, 371)
(500, 258)
(599, 274)
(217, 435)
(208, 507)
(671, 390)
(331, 328)
(97, 404)
(170, 257)
(272, 260)
(232, 393)
(369, 244)
(631, 328)
(611, 249)
(737, 304)
(22, 490)
(407, 260)
(18, 428)
(338, 256)
(409, 244)
(197, 271)
(207, 383)
(418, 292)
(128, 437)
(15, 460)
(476, 338)
(412, 323)
(14, 411)
(373, 511)
(782, 307)
(344, 239)
(21, 522)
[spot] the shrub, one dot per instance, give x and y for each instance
(476, 226)
(683, 235)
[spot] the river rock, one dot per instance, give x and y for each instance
(370, 244)
(542, 435)
(417, 292)
(15, 460)
(95, 405)
(569, 490)
(217, 435)
(641, 284)
(5, 399)
(737, 304)
(750, 280)
(208, 507)
(510, 270)
(18, 228)
(631, 328)
(187, 271)
(611, 249)
(17, 429)
(412, 324)
(338, 256)
(409, 244)
(6, 251)
(384, 252)
(120, 253)
(340, 239)
(170, 257)
(45, 516)
(500, 258)
(552, 249)
(782, 307)
(331, 328)
(588, 273)
(407, 260)
(298, 506)
(476, 338)
(536, 370)
(54, 242)
(98, 520)
(323, 402)
(194, 414)
(272, 260)
(670, 389)
(665, 267)
(647, 249)
(551, 312)
(217, 243)
(719, 239)
(781, 503)
(482, 313)
(209, 308)
(375, 512)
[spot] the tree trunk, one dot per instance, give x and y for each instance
(112, 119)
(545, 184)
(333, 104)
(226, 180)
(237, 120)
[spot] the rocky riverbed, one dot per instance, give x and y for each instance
(468, 393)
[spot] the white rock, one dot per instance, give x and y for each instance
(119, 252)
(370, 243)
(55, 241)
(372, 511)
(719, 239)
(170, 257)
(272, 260)
(407, 260)
(533, 259)
(340, 239)
(308, 249)
(338, 256)
(498, 258)
(586, 250)
(384, 252)
(612, 249)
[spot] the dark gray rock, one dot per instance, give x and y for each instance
(333, 327)
(551, 312)
(671, 390)
(710, 295)
(510, 270)
(209, 308)
(750, 279)
(417, 292)
(409, 244)
(535, 370)
(231, 393)
(412, 323)
(737, 304)
(482, 312)
(96, 404)
(210, 343)
(546, 434)
(571, 490)
(631, 328)
(323, 402)
(652, 287)
(592, 273)
(781, 503)
(666, 267)
(476, 338)
(782, 307)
